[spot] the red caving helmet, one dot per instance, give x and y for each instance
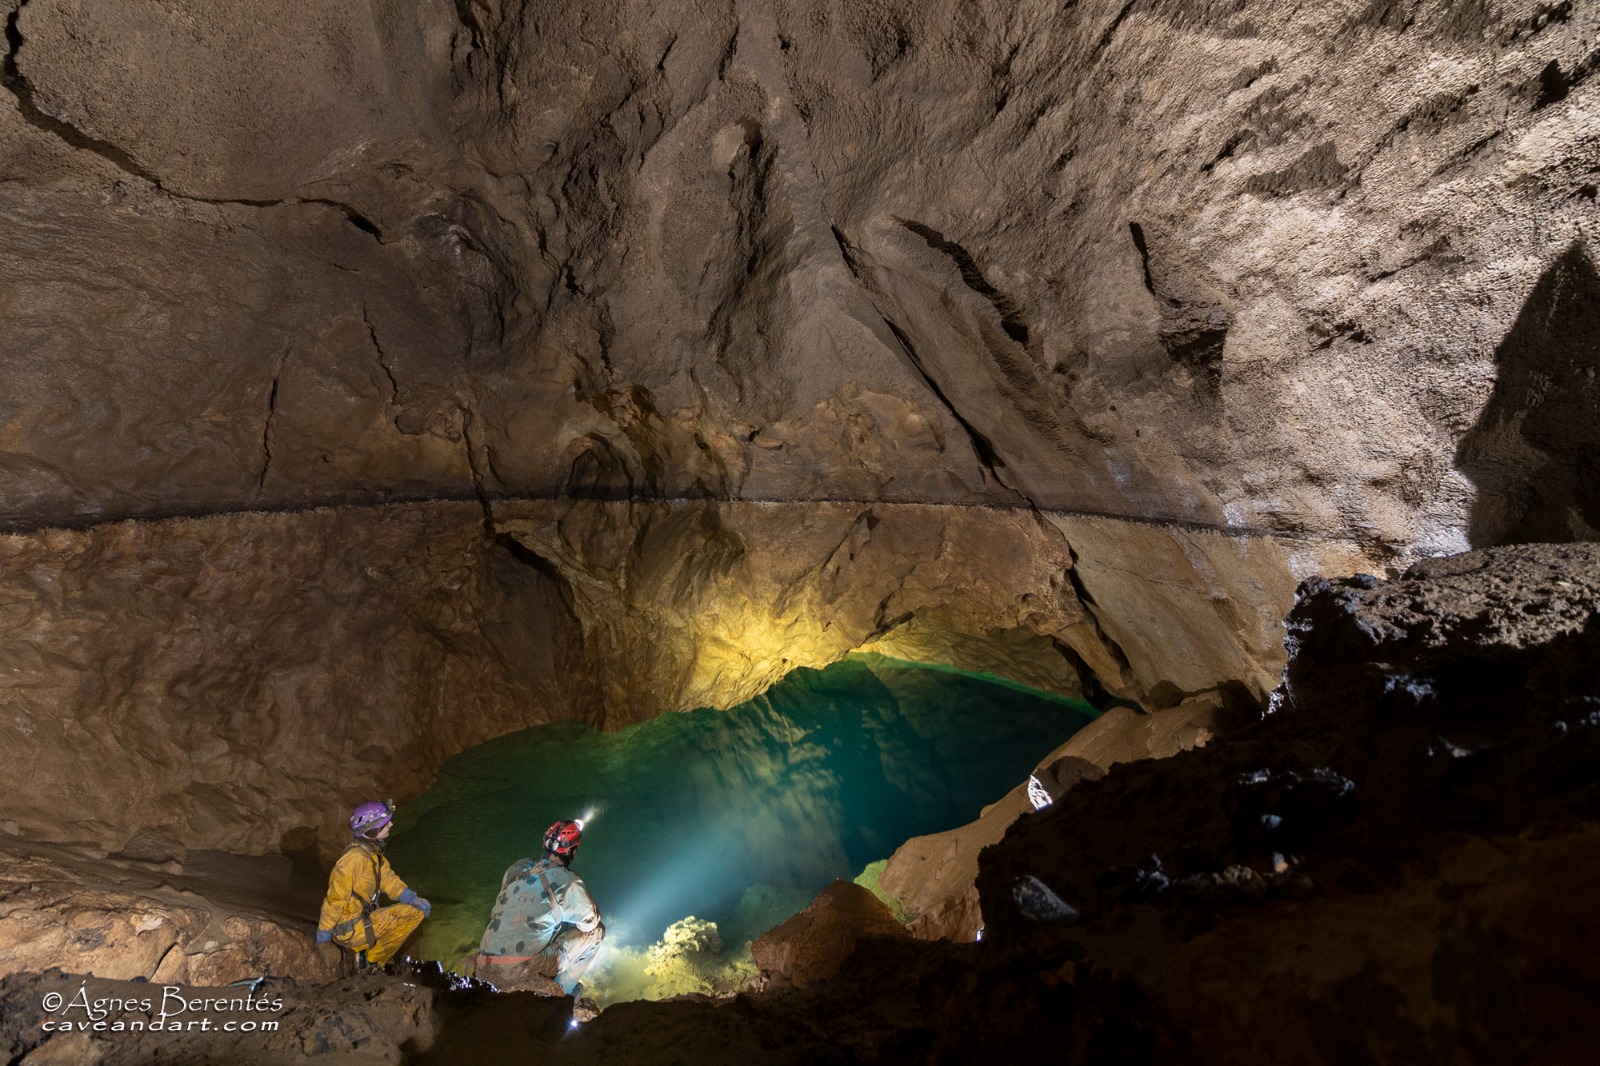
(563, 838)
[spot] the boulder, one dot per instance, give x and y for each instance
(1412, 825)
(815, 944)
(122, 922)
(935, 876)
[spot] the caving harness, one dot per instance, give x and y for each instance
(370, 904)
(538, 870)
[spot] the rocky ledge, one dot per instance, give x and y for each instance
(1411, 836)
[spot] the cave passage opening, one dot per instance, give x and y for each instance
(735, 817)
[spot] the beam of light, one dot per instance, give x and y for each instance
(735, 817)
(678, 884)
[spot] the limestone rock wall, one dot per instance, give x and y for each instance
(237, 682)
(1189, 608)
(203, 311)
(703, 603)
(240, 682)
(1234, 264)
(707, 604)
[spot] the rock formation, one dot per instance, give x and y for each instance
(380, 377)
(1413, 827)
(1234, 265)
(818, 943)
(233, 682)
(272, 669)
(1221, 335)
(1394, 865)
(156, 923)
(935, 877)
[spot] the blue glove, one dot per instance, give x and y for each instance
(324, 936)
(416, 901)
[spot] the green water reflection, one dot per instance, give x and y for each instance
(738, 816)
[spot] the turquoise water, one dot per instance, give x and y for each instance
(738, 816)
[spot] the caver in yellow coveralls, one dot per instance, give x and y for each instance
(350, 911)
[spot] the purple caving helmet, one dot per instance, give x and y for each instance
(370, 817)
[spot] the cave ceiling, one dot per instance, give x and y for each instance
(1222, 264)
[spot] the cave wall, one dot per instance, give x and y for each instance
(1189, 608)
(1226, 263)
(1118, 319)
(239, 682)
(708, 604)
